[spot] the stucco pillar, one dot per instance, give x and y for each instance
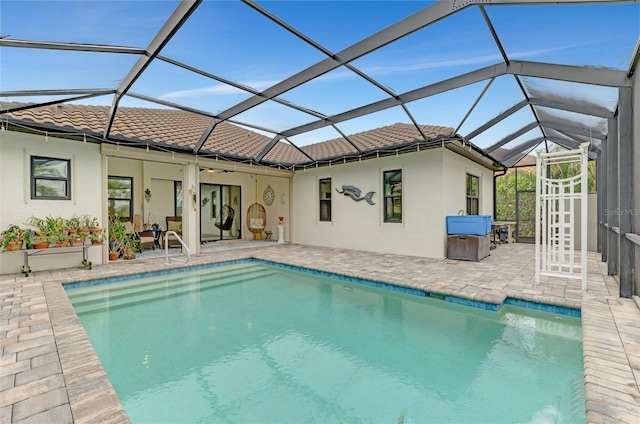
(190, 207)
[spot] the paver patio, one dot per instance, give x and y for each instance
(50, 373)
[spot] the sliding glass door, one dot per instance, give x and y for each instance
(219, 212)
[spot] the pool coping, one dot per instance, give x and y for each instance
(611, 373)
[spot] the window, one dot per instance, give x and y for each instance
(177, 191)
(393, 196)
(120, 196)
(325, 199)
(50, 178)
(472, 195)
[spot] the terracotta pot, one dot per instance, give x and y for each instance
(96, 230)
(113, 256)
(78, 241)
(96, 242)
(14, 245)
(41, 245)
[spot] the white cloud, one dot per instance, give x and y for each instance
(217, 90)
(412, 67)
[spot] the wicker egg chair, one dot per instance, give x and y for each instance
(256, 220)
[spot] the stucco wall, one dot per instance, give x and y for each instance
(455, 171)
(16, 205)
(427, 198)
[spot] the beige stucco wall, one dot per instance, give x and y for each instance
(455, 170)
(433, 186)
(16, 205)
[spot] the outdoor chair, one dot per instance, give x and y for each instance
(256, 220)
(174, 223)
(226, 218)
(147, 240)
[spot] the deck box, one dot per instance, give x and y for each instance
(467, 247)
(475, 225)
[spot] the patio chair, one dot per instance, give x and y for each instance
(256, 220)
(174, 223)
(147, 240)
(226, 218)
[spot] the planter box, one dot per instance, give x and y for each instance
(475, 225)
(467, 247)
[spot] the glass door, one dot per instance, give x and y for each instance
(219, 212)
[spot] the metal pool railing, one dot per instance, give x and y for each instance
(166, 248)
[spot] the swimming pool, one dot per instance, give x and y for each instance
(255, 343)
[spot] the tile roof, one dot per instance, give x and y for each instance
(173, 128)
(375, 139)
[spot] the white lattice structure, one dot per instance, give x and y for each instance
(557, 201)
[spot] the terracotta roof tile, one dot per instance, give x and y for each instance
(171, 127)
(378, 138)
(286, 154)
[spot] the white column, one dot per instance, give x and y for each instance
(190, 207)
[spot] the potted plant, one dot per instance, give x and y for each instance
(13, 237)
(41, 238)
(130, 246)
(40, 241)
(120, 242)
(59, 237)
(85, 223)
(96, 238)
(77, 231)
(95, 225)
(40, 224)
(72, 225)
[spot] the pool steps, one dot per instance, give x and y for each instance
(244, 263)
(122, 294)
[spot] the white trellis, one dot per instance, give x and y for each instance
(557, 201)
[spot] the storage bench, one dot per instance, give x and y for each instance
(468, 247)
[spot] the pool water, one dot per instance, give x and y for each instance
(252, 343)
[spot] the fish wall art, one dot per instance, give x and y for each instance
(355, 192)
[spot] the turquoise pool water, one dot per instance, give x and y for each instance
(251, 343)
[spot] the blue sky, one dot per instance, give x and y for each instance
(229, 39)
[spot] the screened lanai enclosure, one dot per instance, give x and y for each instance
(504, 78)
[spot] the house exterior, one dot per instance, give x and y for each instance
(413, 185)
(433, 185)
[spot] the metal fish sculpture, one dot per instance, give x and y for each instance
(355, 192)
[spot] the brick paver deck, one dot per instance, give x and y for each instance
(49, 372)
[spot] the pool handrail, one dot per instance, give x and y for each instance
(166, 248)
